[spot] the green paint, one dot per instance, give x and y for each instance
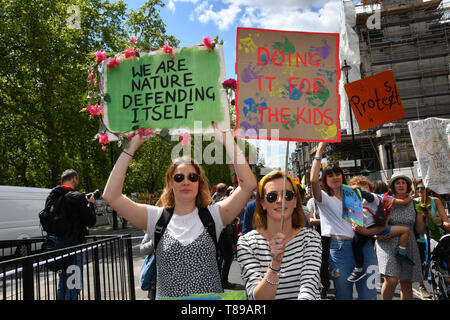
(165, 93)
(319, 99)
(285, 46)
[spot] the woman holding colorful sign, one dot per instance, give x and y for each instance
(342, 262)
(280, 264)
(186, 253)
(393, 269)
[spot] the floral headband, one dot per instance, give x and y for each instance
(263, 181)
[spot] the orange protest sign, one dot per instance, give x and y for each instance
(375, 100)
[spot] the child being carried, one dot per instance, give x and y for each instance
(375, 226)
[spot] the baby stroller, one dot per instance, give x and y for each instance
(439, 259)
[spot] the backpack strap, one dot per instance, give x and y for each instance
(161, 225)
(209, 224)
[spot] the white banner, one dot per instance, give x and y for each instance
(431, 141)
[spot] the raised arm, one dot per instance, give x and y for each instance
(231, 206)
(134, 212)
(315, 169)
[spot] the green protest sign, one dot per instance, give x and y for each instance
(158, 91)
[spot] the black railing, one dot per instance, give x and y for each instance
(100, 269)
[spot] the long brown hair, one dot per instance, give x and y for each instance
(203, 198)
(260, 216)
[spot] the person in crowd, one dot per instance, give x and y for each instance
(220, 193)
(280, 258)
(380, 187)
(247, 224)
(437, 213)
(80, 210)
(329, 201)
(146, 248)
(314, 221)
(393, 269)
(363, 234)
(226, 240)
(186, 254)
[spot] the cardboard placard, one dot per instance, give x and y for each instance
(288, 83)
(431, 141)
(352, 209)
(375, 100)
(157, 91)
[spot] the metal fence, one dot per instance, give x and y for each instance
(100, 269)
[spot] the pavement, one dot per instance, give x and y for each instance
(234, 275)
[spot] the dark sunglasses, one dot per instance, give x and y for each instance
(273, 196)
(179, 177)
(420, 188)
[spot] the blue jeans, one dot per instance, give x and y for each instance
(71, 280)
(342, 263)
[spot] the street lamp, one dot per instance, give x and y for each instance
(346, 68)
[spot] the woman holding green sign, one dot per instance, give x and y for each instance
(186, 253)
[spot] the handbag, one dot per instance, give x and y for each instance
(147, 274)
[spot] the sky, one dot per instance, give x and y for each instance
(191, 20)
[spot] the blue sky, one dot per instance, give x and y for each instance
(191, 20)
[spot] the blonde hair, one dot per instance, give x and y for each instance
(260, 216)
(363, 181)
(203, 198)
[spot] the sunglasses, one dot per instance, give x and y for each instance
(179, 177)
(271, 197)
(420, 188)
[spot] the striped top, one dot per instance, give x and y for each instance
(300, 267)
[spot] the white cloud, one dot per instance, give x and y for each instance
(300, 15)
(171, 6)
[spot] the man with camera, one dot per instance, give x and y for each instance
(66, 225)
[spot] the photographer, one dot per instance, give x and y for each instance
(75, 213)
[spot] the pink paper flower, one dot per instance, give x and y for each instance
(144, 132)
(113, 63)
(169, 50)
(132, 40)
(95, 110)
(130, 136)
(91, 77)
(100, 56)
(208, 43)
(185, 139)
(103, 138)
(104, 148)
(129, 53)
(230, 84)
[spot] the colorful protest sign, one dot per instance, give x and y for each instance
(288, 85)
(431, 141)
(352, 209)
(157, 91)
(375, 100)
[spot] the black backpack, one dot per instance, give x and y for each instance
(54, 220)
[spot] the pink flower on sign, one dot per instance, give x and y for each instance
(129, 53)
(130, 136)
(208, 43)
(169, 50)
(103, 138)
(132, 40)
(113, 63)
(104, 148)
(144, 132)
(230, 84)
(95, 110)
(100, 56)
(185, 139)
(91, 77)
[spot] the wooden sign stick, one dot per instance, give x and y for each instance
(283, 199)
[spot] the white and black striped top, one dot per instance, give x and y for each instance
(300, 267)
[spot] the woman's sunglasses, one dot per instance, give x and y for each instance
(273, 196)
(179, 177)
(420, 188)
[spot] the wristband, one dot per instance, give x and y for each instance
(275, 270)
(127, 153)
(317, 158)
